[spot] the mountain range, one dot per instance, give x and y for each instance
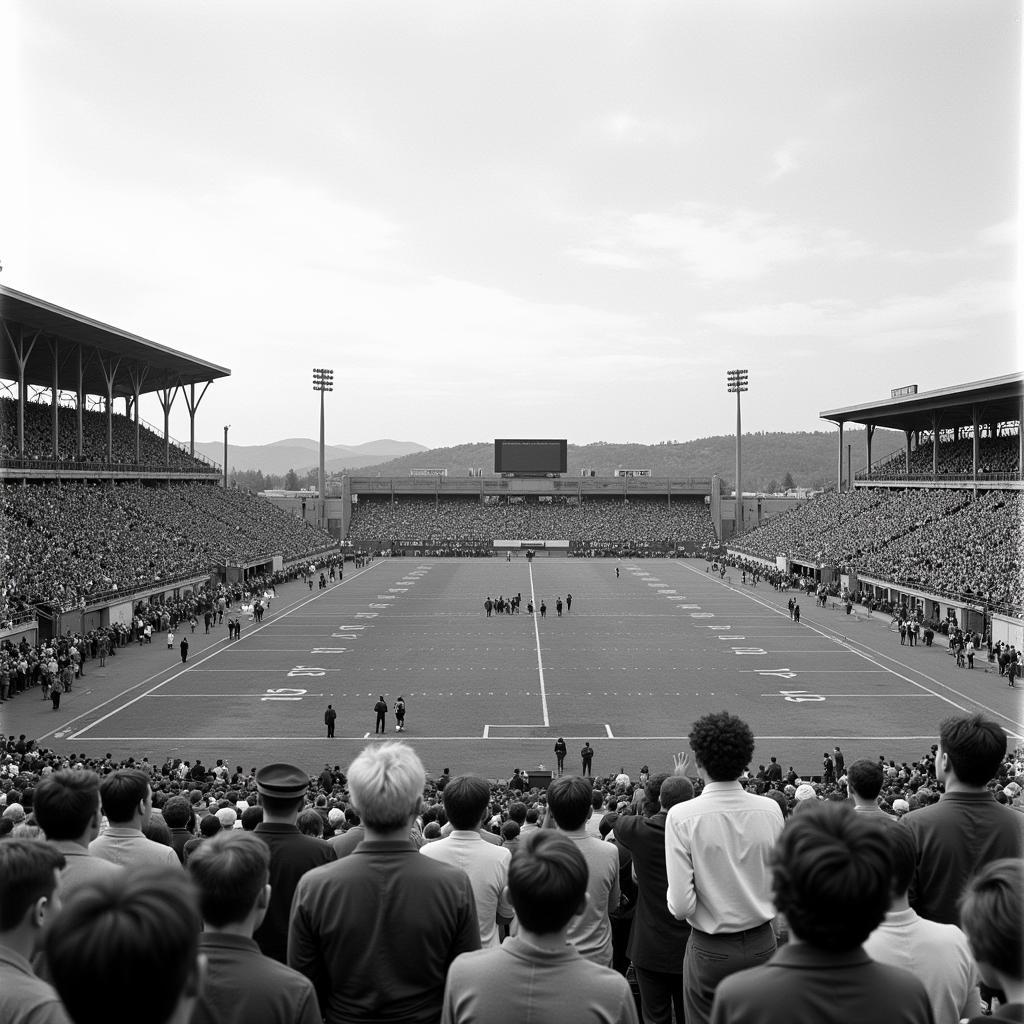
(809, 458)
(303, 453)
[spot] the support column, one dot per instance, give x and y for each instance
(109, 370)
(908, 434)
(54, 395)
(976, 445)
(167, 397)
(935, 443)
(21, 355)
(192, 403)
(869, 433)
(79, 408)
(839, 482)
(137, 375)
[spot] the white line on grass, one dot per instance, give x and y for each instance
(540, 661)
(212, 654)
(843, 641)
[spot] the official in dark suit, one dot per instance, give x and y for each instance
(241, 985)
(282, 789)
(657, 942)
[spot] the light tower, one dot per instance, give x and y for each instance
(323, 380)
(738, 384)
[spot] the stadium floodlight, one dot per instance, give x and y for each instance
(323, 380)
(737, 381)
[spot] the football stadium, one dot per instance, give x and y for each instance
(520, 626)
(642, 639)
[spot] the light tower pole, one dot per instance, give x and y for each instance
(323, 380)
(738, 383)
(226, 428)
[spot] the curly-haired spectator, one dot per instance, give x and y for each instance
(717, 849)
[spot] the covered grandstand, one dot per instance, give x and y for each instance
(100, 509)
(936, 529)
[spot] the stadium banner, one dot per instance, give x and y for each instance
(560, 544)
(514, 544)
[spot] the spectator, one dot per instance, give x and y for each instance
(29, 899)
(966, 829)
(991, 916)
(180, 820)
(717, 849)
(831, 877)
(466, 802)
(241, 985)
(569, 800)
(384, 912)
(127, 800)
(937, 954)
(657, 943)
(282, 789)
(864, 782)
(126, 948)
(538, 975)
(67, 807)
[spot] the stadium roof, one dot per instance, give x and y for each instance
(998, 399)
(164, 367)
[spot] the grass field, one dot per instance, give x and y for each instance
(629, 668)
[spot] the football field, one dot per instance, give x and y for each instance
(641, 654)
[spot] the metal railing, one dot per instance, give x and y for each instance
(1004, 476)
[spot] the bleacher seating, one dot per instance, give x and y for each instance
(600, 521)
(999, 455)
(943, 541)
(67, 542)
(39, 438)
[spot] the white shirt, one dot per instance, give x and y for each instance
(487, 867)
(717, 849)
(937, 954)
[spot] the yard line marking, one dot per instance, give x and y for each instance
(608, 729)
(540, 660)
(844, 641)
(80, 733)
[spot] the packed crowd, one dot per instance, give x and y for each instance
(48, 668)
(69, 542)
(598, 521)
(948, 542)
(888, 892)
(998, 455)
(39, 438)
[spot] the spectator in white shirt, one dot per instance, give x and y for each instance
(937, 954)
(717, 849)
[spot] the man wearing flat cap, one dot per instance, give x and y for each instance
(282, 790)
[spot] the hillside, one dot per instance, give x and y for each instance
(809, 457)
(302, 454)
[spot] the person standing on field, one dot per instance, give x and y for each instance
(381, 708)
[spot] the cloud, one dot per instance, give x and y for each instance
(899, 319)
(625, 129)
(712, 244)
(786, 160)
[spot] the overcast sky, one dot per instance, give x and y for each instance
(523, 219)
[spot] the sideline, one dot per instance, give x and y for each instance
(845, 641)
(64, 727)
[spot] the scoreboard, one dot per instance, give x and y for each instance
(521, 455)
